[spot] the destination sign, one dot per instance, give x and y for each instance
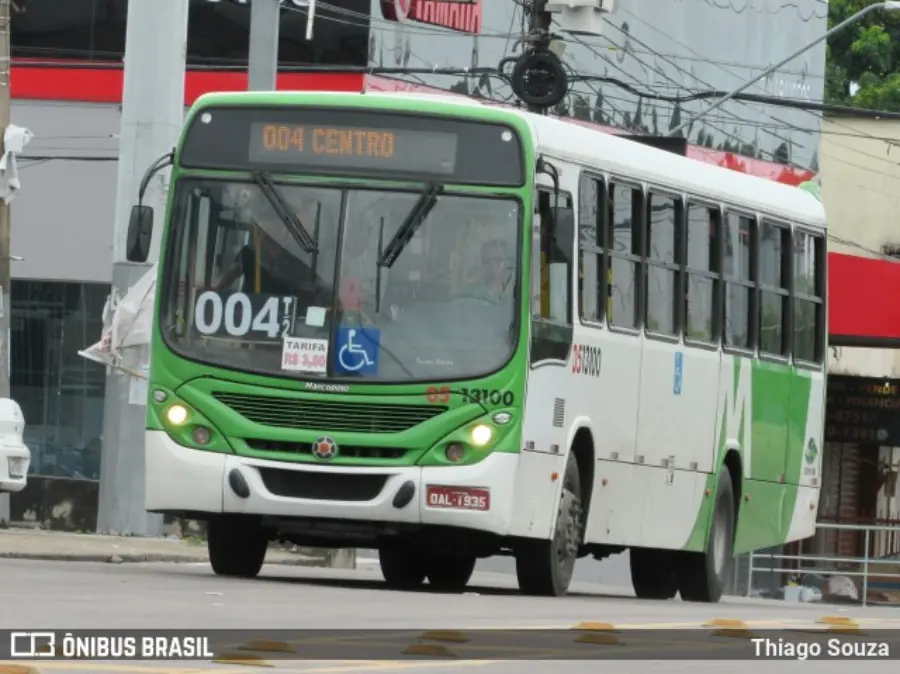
(862, 410)
(348, 147)
(354, 142)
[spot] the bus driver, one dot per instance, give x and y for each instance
(496, 275)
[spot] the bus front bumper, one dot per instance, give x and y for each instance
(180, 479)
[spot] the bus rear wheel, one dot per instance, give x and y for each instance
(545, 568)
(653, 573)
(450, 573)
(703, 575)
(237, 545)
(402, 566)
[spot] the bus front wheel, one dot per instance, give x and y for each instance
(450, 573)
(545, 568)
(703, 575)
(237, 545)
(402, 566)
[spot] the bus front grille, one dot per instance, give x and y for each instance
(322, 486)
(305, 449)
(327, 415)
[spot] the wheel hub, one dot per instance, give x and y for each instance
(568, 527)
(719, 543)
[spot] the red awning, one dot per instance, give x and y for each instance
(862, 301)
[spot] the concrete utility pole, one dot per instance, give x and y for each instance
(5, 254)
(152, 117)
(262, 75)
(265, 25)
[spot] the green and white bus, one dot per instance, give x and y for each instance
(447, 330)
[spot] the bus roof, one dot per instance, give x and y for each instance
(556, 137)
(579, 144)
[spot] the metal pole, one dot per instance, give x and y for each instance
(152, 117)
(889, 5)
(750, 576)
(5, 259)
(865, 583)
(262, 66)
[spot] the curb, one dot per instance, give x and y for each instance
(139, 558)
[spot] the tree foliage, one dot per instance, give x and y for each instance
(865, 53)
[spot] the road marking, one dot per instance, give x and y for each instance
(392, 665)
(363, 637)
(662, 648)
(890, 622)
(695, 624)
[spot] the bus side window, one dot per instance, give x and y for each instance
(556, 262)
(552, 312)
(738, 232)
(624, 246)
(809, 297)
(774, 288)
(591, 242)
(701, 269)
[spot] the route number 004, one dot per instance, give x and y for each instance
(237, 317)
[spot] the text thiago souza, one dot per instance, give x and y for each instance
(837, 647)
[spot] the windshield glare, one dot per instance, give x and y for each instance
(242, 293)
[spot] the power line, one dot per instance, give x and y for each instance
(631, 38)
(854, 112)
(586, 79)
(650, 26)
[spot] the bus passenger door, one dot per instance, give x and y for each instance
(545, 419)
(678, 378)
(606, 370)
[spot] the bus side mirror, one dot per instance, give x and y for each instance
(563, 233)
(140, 233)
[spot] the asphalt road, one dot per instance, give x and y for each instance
(65, 596)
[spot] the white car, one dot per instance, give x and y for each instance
(15, 457)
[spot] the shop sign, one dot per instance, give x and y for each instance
(459, 15)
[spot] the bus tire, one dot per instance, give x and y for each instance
(450, 573)
(653, 573)
(237, 545)
(402, 567)
(545, 568)
(703, 575)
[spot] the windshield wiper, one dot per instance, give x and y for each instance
(411, 224)
(282, 209)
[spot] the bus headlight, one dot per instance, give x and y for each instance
(481, 435)
(502, 418)
(177, 415)
(201, 435)
(455, 452)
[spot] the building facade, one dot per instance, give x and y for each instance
(861, 190)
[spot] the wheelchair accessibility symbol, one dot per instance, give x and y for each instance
(357, 350)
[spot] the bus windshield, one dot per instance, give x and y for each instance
(241, 291)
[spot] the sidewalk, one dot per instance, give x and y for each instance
(69, 547)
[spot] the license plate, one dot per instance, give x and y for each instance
(458, 498)
(16, 468)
